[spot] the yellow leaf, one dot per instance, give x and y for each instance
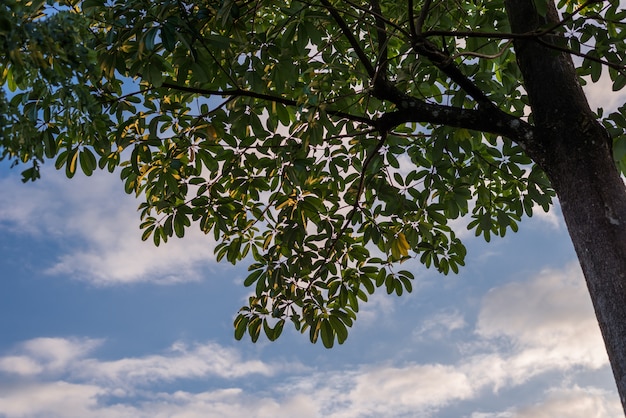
(288, 202)
(403, 245)
(212, 133)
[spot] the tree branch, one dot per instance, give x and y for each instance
(381, 34)
(484, 56)
(489, 120)
(535, 35)
(356, 45)
(262, 96)
(621, 68)
(388, 22)
(441, 59)
(411, 13)
(356, 205)
(569, 17)
(445, 63)
(419, 25)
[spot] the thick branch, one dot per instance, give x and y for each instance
(490, 120)
(441, 59)
(446, 64)
(480, 120)
(419, 25)
(356, 45)
(411, 13)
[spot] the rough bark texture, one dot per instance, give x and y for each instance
(575, 152)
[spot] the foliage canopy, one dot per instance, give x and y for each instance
(327, 140)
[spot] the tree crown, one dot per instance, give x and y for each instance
(327, 141)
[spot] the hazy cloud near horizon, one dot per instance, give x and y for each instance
(525, 331)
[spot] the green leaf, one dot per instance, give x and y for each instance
(254, 328)
(92, 4)
(619, 81)
(49, 143)
(149, 38)
(70, 166)
(87, 161)
(339, 328)
(253, 277)
(11, 84)
(541, 6)
(146, 233)
(278, 328)
(327, 333)
(241, 323)
(168, 36)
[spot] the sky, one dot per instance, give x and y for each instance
(96, 323)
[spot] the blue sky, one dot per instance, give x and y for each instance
(96, 323)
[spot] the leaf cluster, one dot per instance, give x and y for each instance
(324, 142)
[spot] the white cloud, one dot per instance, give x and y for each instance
(64, 400)
(228, 403)
(575, 402)
(21, 365)
(415, 388)
(550, 316)
(59, 356)
(49, 400)
(440, 325)
(96, 226)
(182, 362)
(59, 380)
(534, 327)
(601, 94)
(29, 207)
(552, 218)
(41, 355)
(379, 307)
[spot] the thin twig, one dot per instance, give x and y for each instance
(388, 22)
(381, 34)
(485, 56)
(568, 17)
(618, 67)
(262, 96)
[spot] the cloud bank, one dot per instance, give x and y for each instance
(525, 332)
(95, 227)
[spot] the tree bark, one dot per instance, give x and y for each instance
(593, 201)
(574, 150)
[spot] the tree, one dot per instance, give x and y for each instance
(329, 141)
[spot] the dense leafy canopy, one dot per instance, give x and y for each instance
(327, 140)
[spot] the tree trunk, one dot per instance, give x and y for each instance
(575, 152)
(593, 201)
